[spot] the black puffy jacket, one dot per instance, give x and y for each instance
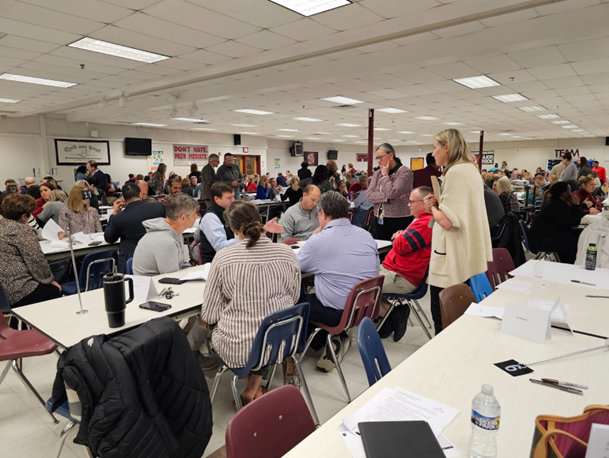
(143, 394)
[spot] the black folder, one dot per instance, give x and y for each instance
(399, 439)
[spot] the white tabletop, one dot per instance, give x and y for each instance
(589, 219)
(58, 320)
(566, 274)
(47, 248)
(451, 369)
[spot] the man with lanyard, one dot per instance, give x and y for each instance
(230, 173)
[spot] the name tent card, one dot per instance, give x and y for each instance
(533, 322)
(143, 289)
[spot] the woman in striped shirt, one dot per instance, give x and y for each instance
(247, 282)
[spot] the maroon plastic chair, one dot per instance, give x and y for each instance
(291, 241)
(497, 270)
(369, 221)
(270, 426)
(15, 345)
(363, 301)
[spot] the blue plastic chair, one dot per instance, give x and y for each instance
(372, 351)
(524, 232)
(129, 266)
(94, 267)
(480, 286)
(64, 411)
(283, 330)
(411, 300)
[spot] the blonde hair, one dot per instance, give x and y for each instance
(294, 183)
(458, 151)
(57, 196)
(504, 185)
(75, 200)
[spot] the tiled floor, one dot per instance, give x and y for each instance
(26, 430)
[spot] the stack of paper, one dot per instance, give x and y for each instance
(85, 239)
(199, 274)
(399, 405)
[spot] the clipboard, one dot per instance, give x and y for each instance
(436, 188)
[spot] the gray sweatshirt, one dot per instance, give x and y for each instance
(159, 251)
(299, 223)
(51, 210)
(569, 173)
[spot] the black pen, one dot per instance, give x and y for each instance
(557, 387)
(602, 297)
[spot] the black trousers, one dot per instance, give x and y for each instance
(390, 226)
(40, 294)
(318, 313)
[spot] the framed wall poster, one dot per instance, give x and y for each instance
(417, 163)
(78, 152)
(362, 157)
(311, 157)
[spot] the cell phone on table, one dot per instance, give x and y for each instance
(171, 281)
(97, 242)
(155, 306)
(294, 247)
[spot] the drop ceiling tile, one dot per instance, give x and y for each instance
(395, 8)
(524, 87)
(137, 40)
(159, 69)
(233, 49)
(190, 15)
(552, 71)
(315, 60)
(453, 70)
(180, 64)
(347, 17)
(304, 29)
(415, 74)
(344, 54)
(18, 53)
(509, 78)
(132, 4)
(90, 9)
(417, 89)
(565, 6)
(510, 18)
(94, 57)
(265, 40)
(445, 86)
(573, 91)
(572, 81)
(585, 49)
(119, 80)
(461, 29)
(589, 67)
(579, 98)
(538, 57)
(19, 43)
(414, 39)
(378, 47)
(10, 62)
(261, 14)
(387, 93)
(205, 57)
(35, 32)
(493, 64)
(59, 69)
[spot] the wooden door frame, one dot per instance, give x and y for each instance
(243, 157)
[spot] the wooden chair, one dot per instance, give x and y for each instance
(498, 270)
(454, 301)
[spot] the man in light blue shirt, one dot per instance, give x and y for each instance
(340, 255)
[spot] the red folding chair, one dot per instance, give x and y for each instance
(15, 345)
(270, 426)
(363, 301)
(498, 268)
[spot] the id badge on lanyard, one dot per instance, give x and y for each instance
(381, 216)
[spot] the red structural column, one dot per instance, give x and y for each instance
(371, 157)
(480, 151)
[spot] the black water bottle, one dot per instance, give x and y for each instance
(591, 257)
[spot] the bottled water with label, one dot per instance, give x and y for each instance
(486, 415)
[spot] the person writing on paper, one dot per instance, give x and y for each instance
(590, 204)
(127, 222)
(25, 274)
(247, 282)
(53, 208)
(300, 220)
(161, 251)
(78, 216)
(461, 241)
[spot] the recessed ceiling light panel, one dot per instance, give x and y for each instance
(404, 132)
(305, 119)
(426, 118)
(533, 108)
(392, 110)
(453, 123)
(311, 7)
(244, 125)
(550, 116)
(562, 121)
(103, 47)
(343, 100)
(288, 130)
(32, 80)
(148, 124)
(9, 101)
(254, 112)
(347, 124)
(570, 126)
(509, 98)
(190, 119)
(477, 82)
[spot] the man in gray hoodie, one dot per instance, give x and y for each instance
(161, 251)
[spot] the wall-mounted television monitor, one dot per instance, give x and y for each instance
(296, 149)
(138, 146)
(332, 155)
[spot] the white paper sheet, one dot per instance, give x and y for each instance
(563, 273)
(85, 239)
(598, 444)
(517, 284)
(401, 405)
(50, 230)
(484, 311)
(198, 275)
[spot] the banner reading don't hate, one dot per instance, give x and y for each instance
(190, 154)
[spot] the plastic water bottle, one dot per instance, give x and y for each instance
(591, 257)
(486, 415)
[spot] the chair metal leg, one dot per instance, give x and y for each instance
(62, 437)
(386, 316)
(29, 386)
(270, 380)
(236, 393)
(418, 317)
(5, 371)
(217, 378)
(338, 368)
(421, 311)
(309, 340)
(308, 397)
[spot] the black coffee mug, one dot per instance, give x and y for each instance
(114, 297)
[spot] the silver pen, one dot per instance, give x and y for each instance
(558, 382)
(558, 387)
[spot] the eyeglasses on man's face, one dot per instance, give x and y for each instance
(410, 202)
(380, 158)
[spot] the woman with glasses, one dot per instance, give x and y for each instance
(389, 191)
(461, 240)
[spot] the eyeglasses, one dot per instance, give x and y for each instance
(410, 202)
(380, 158)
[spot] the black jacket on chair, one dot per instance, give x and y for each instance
(510, 238)
(143, 394)
(127, 226)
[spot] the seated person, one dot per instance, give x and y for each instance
(335, 243)
(405, 265)
(360, 186)
(45, 192)
(53, 207)
(249, 185)
(590, 204)
(552, 229)
(247, 282)
(263, 191)
(281, 180)
(341, 188)
(126, 222)
(505, 191)
(276, 189)
(78, 216)
(186, 186)
(494, 209)
(301, 220)
(293, 192)
(160, 250)
(362, 206)
(539, 189)
(25, 274)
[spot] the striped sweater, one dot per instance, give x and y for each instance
(244, 286)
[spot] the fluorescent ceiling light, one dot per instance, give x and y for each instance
(190, 119)
(9, 101)
(305, 119)
(204, 128)
(578, 130)
(508, 98)
(343, 100)
(323, 133)
(32, 80)
(149, 124)
(381, 129)
(404, 132)
(288, 130)
(550, 116)
(254, 112)
(313, 138)
(244, 125)
(249, 133)
(392, 110)
(311, 7)
(338, 140)
(453, 123)
(533, 108)
(506, 134)
(350, 136)
(426, 135)
(477, 82)
(570, 126)
(426, 118)
(103, 47)
(562, 121)
(346, 124)
(360, 143)
(283, 136)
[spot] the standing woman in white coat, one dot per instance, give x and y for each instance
(461, 241)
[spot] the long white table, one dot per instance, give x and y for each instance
(57, 319)
(80, 249)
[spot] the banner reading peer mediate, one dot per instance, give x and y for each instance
(190, 154)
